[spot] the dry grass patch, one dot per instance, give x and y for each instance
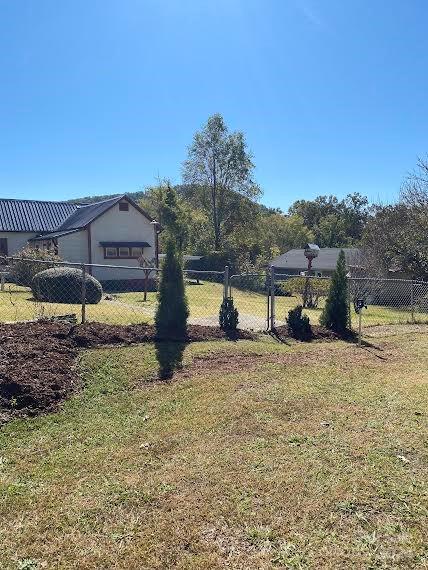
(259, 455)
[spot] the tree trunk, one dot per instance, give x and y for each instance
(215, 211)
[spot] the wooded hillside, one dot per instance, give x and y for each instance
(217, 211)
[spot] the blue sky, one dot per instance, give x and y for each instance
(104, 96)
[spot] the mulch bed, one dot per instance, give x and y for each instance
(37, 359)
(318, 333)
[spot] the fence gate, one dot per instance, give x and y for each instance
(251, 296)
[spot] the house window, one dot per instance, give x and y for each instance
(3, 250)
(3, 246)
(123, 206)
(137, 252)
(124, 252)
(110, 252)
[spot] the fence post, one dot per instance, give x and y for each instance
(226, 283)
(412, 301)
(272, 298)
(2, 281)
(83, 319)
(359, 326)
(267, 285)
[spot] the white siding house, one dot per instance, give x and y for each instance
(74, 247)
(130, 227)
(11, 242)
(114, 232)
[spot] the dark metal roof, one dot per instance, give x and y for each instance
(84, 215)
(33, 215)
(124, 244)
(38, 216)
(326, 260)
(54, 235)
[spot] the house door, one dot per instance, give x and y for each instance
(3, 249)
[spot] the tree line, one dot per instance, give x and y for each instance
(216, 212)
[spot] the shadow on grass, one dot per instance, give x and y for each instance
(365, 345)
(278, 337)
(169, 355)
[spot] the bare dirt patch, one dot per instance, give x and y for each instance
(37, 360)
(343, 358)
(36, 367)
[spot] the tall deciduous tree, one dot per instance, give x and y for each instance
(397, 234)
(220, 163)
(334, 222)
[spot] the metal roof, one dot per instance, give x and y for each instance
(84, 215)
(38, 216)
(326, 260)
(33, 215)
(54, 235)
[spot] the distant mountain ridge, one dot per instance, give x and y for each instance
(91, 199)
(181, 189)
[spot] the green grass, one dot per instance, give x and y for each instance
(204, 301)
(259, 455)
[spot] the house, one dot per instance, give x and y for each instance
(112, 232)
(294, 262)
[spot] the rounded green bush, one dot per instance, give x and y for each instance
(64, 285)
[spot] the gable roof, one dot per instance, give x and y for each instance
(33, 215)
(84, 215)
(326, 260)
(47, 217)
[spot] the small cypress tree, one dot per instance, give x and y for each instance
(336, 314)
(172, 311)
(228, 315)
(298, 324)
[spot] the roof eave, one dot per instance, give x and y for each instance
(118, 199)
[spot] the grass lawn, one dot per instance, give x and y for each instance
(259, 455)
(204, 301)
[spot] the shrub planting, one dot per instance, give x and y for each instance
(336, 314)
(64, 285)
(298, 324)
(228, 316)
(26, 264)
(172, 311)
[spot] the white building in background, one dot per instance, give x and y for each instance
(112, 232)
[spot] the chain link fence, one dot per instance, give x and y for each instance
(128, 295)
(250, 296)
(386, 301)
